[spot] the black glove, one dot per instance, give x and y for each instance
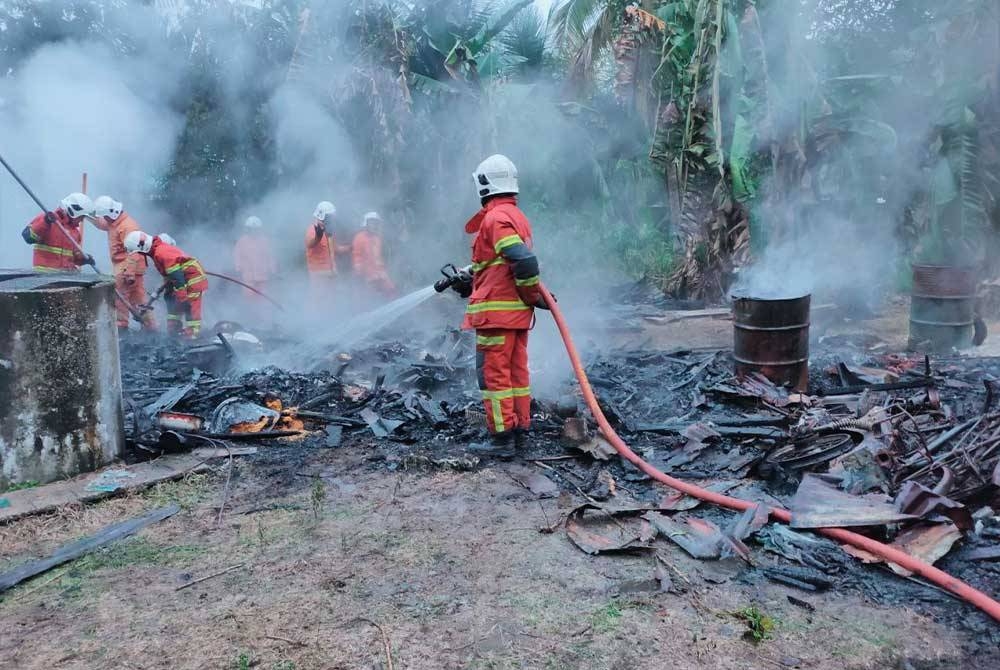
(541, 304)
(50, 218)
(462, 284)
(89, 260)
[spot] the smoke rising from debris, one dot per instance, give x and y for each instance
(852, 88)
(111, 95)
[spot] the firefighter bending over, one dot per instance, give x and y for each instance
(184, 277)
(504, 291)
(58, 249)
(129, 269)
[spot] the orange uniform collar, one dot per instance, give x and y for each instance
(472, 225)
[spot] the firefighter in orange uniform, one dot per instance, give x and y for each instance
(253, 258)
(320, 251)
(129, 269)
(54, 251)
(366, 256)
(504, 290)
(185, 279)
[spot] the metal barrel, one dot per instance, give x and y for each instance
(772, 337)
(60, 379)
(942, 307)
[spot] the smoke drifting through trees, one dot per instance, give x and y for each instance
(838, 122)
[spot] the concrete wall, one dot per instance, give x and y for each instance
(60, 378)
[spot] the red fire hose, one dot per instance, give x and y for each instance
(914, 565)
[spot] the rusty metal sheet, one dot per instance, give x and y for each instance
(603, 532)
(818, 503)
(537, 483)
(928, 542)
(920, 501)
(700, 538)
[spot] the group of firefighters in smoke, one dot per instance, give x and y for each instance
(502, 283)
(57, 240)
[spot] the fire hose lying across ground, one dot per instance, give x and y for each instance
(891, 554)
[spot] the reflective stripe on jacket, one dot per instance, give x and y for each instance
(183, 272)
(53, 250)
(496, 301)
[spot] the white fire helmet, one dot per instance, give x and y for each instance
(495, 175)
(108, 207)
(323, 210)
(370, 216)
(169, 240)
(138, 241)
(253, 222)
(77, 204)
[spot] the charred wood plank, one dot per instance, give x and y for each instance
(82, 547)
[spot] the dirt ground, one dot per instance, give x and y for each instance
(339, 561)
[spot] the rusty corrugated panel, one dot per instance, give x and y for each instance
(818, 503)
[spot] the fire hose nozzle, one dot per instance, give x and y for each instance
(452, 277)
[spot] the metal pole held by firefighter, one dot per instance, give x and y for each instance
(88, 258)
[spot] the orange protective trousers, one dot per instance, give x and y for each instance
(135, 292)
(184, 316)
(502, 368)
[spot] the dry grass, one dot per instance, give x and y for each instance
(450, 565)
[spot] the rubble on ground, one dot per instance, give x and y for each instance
(899, 447)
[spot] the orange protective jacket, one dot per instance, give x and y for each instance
(253, 259)
(122, 261)
(505, 271)
(184, 274)
(319, 253)
(54, 252)
(366, 256)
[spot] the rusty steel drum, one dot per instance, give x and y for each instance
(772, 337)
(942, 307)
(60, 379)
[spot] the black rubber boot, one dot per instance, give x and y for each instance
(520, 439)
(499, 445)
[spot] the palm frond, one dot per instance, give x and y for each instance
(496, 24)
(525, 37)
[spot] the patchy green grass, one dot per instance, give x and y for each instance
(243, 662)
(189, 492)
(139, 551)
(760, 626)
(20, 486)
(607, 618)
(75, 581)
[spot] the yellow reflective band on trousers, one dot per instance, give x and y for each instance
(45, 268)
(508, 241)
(489, 341)
(495, 398)
(521, 392)
(476, 267)
(530, 281)
(496, 306)
(54, 250)
(184, 266)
